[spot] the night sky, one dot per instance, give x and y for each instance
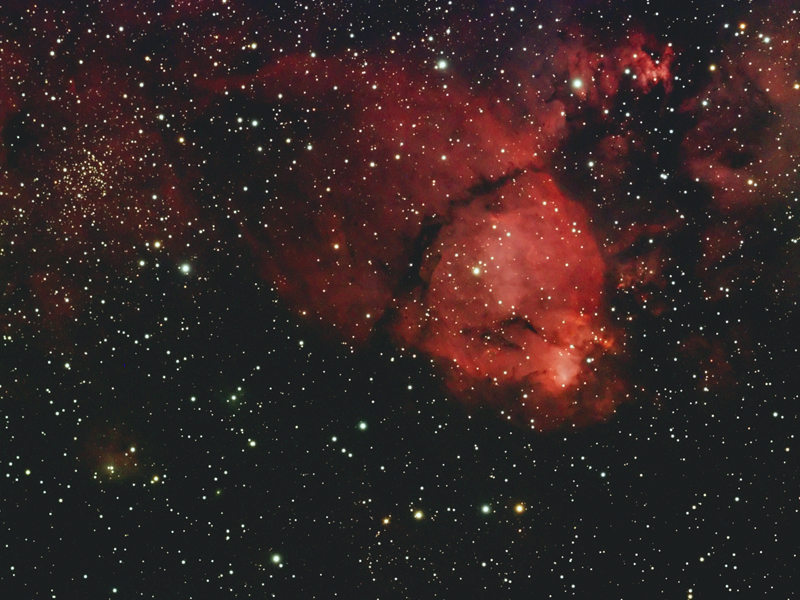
(388, 299)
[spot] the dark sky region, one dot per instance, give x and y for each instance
(376, 300)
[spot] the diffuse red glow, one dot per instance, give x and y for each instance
(512, 299)
(510, 295)
(395, 191)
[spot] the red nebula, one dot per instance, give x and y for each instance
(401, 152)
(511, 299)
(389, 188)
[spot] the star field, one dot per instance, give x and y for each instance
(391, 300)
